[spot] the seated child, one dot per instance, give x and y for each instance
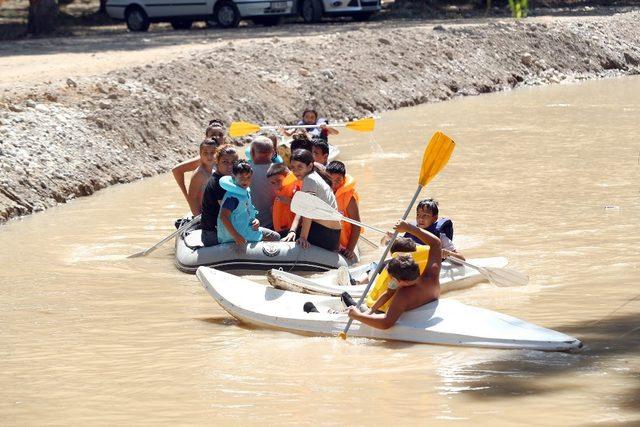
(414, 287)
(237, 221)
(285, 184)
(201, 176)
(343, 186)
(427, 218)
(320, 151)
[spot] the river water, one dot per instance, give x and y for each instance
(548, 177)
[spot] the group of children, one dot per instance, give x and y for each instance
(248, 200)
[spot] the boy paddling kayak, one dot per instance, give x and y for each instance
(414, 289)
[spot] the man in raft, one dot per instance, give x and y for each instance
(413, 288)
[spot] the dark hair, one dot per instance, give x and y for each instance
(336, 167)
(310, 110)
(241, 166)
(209, 143)
(305, 156)
(301, 144)
(430, 205)
(404, 268)
(216, 123)
(225, 150)
(403, 244)
(277, 169)
(321, 144)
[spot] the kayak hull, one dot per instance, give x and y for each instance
(453, 277)
(444, 322)
(190, 254)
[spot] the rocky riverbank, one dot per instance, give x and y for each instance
(71, 137)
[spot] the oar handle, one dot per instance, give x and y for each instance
(380, 265)
(354, 222)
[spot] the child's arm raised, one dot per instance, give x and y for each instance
(180, 169)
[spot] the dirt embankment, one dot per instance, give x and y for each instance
(73, 137)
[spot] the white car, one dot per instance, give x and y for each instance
(360, 10)
(139, 14)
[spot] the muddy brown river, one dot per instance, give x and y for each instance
(548, 177)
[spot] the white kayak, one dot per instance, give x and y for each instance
(190, 254)
(446, 321)
(453, 277)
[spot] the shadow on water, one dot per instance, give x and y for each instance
(607, 342)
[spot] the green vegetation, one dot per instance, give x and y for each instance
(519, 8)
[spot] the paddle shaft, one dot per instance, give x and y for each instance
(380, 265)
(169, 237)
(354, 222)
(369, 242)
(338, 125)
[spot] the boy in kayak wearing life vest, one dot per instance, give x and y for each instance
(427, 219)
(237, 221)
(285, 184)
(414, 288)
(344, 188)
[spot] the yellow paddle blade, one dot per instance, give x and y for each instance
(242, 128)
(363, 125)
(435, 157)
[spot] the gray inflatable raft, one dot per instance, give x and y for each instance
(191, 254)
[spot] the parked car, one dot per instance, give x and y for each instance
(360, 10)
(139, 14)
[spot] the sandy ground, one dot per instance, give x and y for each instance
(78, 114)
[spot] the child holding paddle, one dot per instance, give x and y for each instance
(413, 287)
(310, 117)
(322, 233)
(237, 221)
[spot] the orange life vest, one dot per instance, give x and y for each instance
(344, 194)
(282, 215)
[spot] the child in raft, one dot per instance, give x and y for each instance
(226, 156)
(285, 184)
(320, 151)
(322, 129)
(427, 219)
(201, 175)
(413, 288)
(325, 234)
(237, 221)
(216, 133)
(343, 186)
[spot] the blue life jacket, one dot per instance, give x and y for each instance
(241, 216)
(441, 226)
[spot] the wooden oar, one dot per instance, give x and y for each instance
(312, 207)
(435, 157)
(238, 129)
(169, 237)
(503, 277)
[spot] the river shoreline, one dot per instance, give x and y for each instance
(73, 136)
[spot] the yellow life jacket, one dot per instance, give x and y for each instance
(420, 256)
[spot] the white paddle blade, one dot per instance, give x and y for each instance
(505, 277)
(310, 206)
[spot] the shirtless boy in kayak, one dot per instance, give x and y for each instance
(414, 289)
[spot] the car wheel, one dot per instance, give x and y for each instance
(180, 24)
(227, 14)
(362, 17)
(137, 19)
(267, 21)
(311, 11)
